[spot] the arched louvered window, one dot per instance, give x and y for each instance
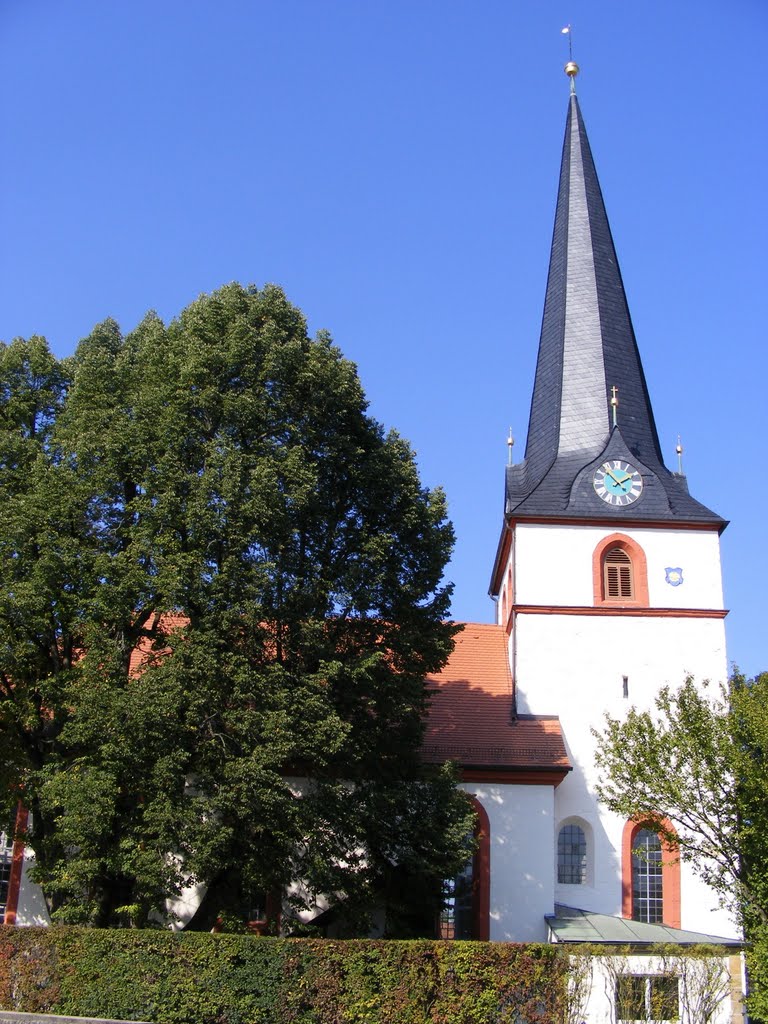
(619, 573)
(618, 581)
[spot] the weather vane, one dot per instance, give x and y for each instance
(571, 68)
(510, 445)
(567, 32)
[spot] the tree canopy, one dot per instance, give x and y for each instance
(221, 590)
(696, 772)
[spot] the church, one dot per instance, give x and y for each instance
(607, 586)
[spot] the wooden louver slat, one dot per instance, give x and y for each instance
(617, 568)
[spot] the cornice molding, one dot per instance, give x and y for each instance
(620, 609)
(517, 776)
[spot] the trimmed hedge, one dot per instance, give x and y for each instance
(195, 978)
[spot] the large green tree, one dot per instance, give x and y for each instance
(696, 771)
(221, 592)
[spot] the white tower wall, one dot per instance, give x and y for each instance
(569, 657)
(522, 858)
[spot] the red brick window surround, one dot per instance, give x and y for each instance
(482, 870)
(467, 912)
(619, 573)
(13, 888)
(634, 837)
(6, 859)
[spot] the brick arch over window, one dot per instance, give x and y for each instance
(638, 568)
(481, 903)
(670, 875)
(471, 918)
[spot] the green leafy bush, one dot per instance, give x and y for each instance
(197, 978)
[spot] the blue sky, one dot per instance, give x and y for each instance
(394, 167)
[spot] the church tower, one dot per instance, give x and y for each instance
(607, 576)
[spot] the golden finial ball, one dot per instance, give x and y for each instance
(571, 69)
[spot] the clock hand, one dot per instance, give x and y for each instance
(620, 482)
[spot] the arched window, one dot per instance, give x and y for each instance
(647, 881)
(617, 576)
(262, 912)
(571, 855)
(506, 602)
(457, 917)
(619, 572)
(6, 858)
(12, 866)
(650, 877)
(465, 914)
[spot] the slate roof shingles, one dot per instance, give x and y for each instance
(588, 345)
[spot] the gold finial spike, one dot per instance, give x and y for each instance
(679, 450)
(615, 403)
(571, 68)
(510, 445)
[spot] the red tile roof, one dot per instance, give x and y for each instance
(145, 649)
(470, 717)
(470, 720)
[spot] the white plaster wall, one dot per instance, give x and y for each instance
(573, 666)
(553, 565)
(183, 908)
(522, 859)
(602, 894)
(32, 908)
(701, 910)
(714, 973)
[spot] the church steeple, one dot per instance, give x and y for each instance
(587, 354)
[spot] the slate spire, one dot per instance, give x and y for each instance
(587, 348)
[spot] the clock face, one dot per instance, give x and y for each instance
(618, 483)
